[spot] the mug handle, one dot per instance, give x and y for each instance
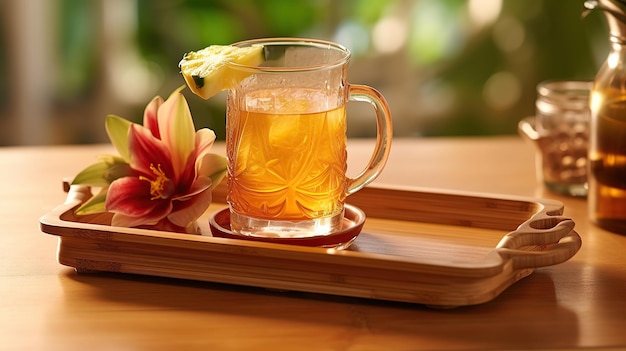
(526, 128)
(384, 133)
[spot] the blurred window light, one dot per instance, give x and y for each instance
(436, 32)
(131, 78)
(76, 49)
(502, 90)
(389, 34)
(436, 98)
(483, 12)
(461, 62)
(509, 34)
(353, 36)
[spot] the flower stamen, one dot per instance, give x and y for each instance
(158, 185)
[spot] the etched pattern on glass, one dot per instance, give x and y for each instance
(291, 158)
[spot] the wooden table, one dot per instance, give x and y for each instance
(46, 306)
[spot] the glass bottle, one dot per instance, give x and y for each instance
(607, 149)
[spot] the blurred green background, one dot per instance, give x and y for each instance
(446, 67)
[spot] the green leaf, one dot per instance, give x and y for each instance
(117, 170)
(117, 128)
(93, 175)
(96, 204)
(111, 159)
(104, 172)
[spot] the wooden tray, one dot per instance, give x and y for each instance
(421, 246)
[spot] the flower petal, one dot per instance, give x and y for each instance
(186, 212)
(177, 130)
(212, 166)
(150, 119)
(130, 197)
(205, 138)
(187, 177)
(198, 186)
(122, 220)
(147, 151)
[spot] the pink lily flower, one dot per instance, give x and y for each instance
(167, 184)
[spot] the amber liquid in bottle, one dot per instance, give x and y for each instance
(607, 165)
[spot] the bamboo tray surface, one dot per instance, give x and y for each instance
(437, 248)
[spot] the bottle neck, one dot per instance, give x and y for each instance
(615, 15)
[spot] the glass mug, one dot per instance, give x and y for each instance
(560, 131)
(286, 139)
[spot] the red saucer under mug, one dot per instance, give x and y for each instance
(352, 224)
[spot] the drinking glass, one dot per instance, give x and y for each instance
(286, 139)
(560, 131)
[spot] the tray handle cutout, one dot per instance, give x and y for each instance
(76, 194)
(544, 240)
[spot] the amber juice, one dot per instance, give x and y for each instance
(607, 180)
(286, 153)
